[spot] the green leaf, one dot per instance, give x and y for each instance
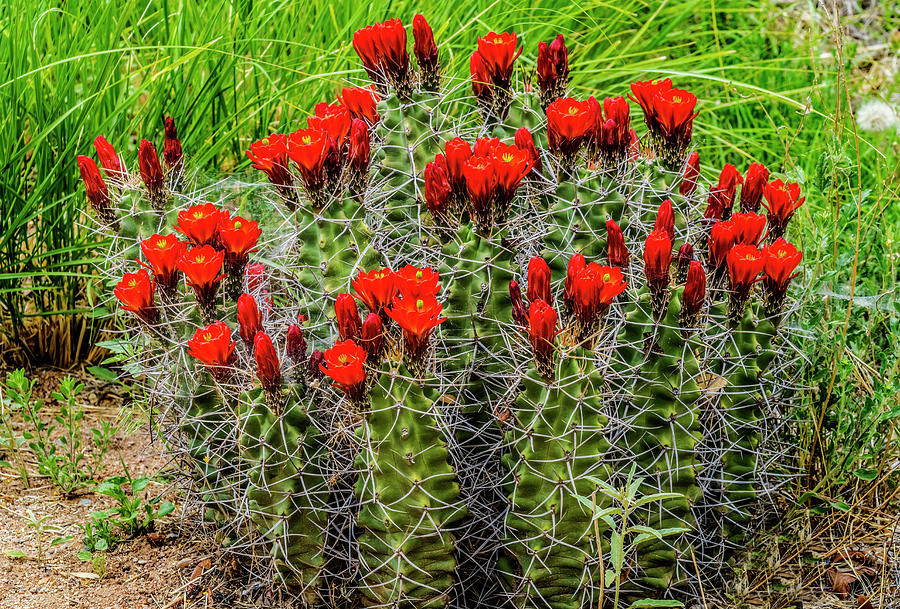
(101, 545)
(647, 602)
(616, 551)
(165, 508)
(657, 497)
(139, 484)
(866, 474)
(61, 540)
(104, 374)
(85, 556)
(15, 554)
(610, 577)
(840, 505)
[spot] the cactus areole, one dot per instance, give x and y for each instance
(397, 370)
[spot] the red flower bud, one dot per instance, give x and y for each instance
(347, 315)
(782, 200)
(268, 368)
(754, 184)
(721, 196)
(344, 363)
(457, 153)
(214, 348)
(553, 68)
(382, 49)
(135, 293)
(577, 264)
(748, 228)
(372, 337)
(481, 78)
(109, 160)
(172, 145)
(295, 345)
(151, 170)
(694, 290)
(376, 288)
(685, 257)
(359, 152)
(524, 141)
(437, 189)
(316, 365)
(481, 182)
(542, 333)
(162, 254)
(657, 258)
(691, 174)
(721, 240)
(665, 219)
(498, 51)
(568, 123)
(97, 192)
(519, 314)
(249, 318)
(617, 253)
(256, 277)
(200, 224)
(424, 48)
(361, 102)
(538, 280)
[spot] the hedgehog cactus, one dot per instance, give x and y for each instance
(456, 313)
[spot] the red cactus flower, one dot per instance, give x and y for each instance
(683, 260)
(437, 190)
(691, 174)
(481, 182)
(359, 151)
(214, 348)
(481, 78)
(498, 51)
(372, 337)
(553, 68)
(721, 196)
(568, 122)
(593, 290)
(425, 49)
(617, 253)
(376, 288)
(344, 363)
(694, 290)
(782, 200)
(754, 183)
(782, 259)
(512, 165)
(542, 334)
(162, 254)
(519, 314)
(657, 259)
(256, 277)
(577, 264)
(238, 237)
(249, 319)
(610, 138)
(665, 219)
(135, 292)
(745, 263)
(457, 153)
(309, 148)
(202, 267)
(417, 317)
(748, 228)
(269, 155)
(485, 146)
(365, 43)
(333, 119)
(415, 282)
(151, 170)
(669, 115)
(109, 160)
(315, 365)
(643, 93)
(721, 239)
(361, 102)
(200, 224)
(673, 111)
(538, 280)
(295, 344)
(524, 141)
(347, 315)
(172, 153)
(392, 46)
(268, 368)
(97, 191)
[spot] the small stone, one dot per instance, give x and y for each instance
(85, 502)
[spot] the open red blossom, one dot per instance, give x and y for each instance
(593, 290)
(376, 288)
(200, 224)
(269, 155)
(238, 236)
(151, 170)
(415, 282)
(525, 141)
(109, 160)
(577, 263)
(97, 191)
(498, 51)
(673, 111)
(392, 46)
(748, 228)
(657, 259)
(347, 315)
(553, 68)
(538, 280)
(372, 337)
(309, 148)
(359, 152)
(782, 259)
(437, 190)
(694, 290)
(202, 267)
(745, 263)
(782, 200)
(344, 363)
(691, 174)
(172, 152)
(214, 348)
(268, 368)
(665, 219)
(617, 253)
(754, 183)
(485, 146)
(417, 317)
(519, 313)
(135, 293)
(643, 93)
(365, 43)
(457, 153)
(249, 319)
(333, 119)
(295, 344)
(361, 102)
(721, 240)
(162, 254)
(542, 320)
(568, 123)
(512, 165)
(425, 49)
(481, 183)
(669, 115)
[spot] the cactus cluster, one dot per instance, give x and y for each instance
(458, 305)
